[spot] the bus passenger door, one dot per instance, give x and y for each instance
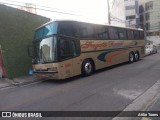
(65, 55)
(76, 57)
(69, 52)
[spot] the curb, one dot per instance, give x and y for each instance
(36, 80)
(144, 118)
(17, 82)
(6, 83)
(142, 102)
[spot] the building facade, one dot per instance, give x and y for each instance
(150, 19)
(132, 13)
(125, 13)
(117, 14)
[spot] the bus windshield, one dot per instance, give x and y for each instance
(45, 51)
(47, 30)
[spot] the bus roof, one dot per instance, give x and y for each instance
(87, 23)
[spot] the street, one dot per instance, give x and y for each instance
(110, 89)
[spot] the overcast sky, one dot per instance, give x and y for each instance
(84, 10)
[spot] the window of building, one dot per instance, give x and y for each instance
(147, 16)
(155, 33)
(130, 7)
(141, 18)
(130, 17)
(149, 5)
(141, 9)
(147, 26)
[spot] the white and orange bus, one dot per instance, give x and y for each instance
(64, 49)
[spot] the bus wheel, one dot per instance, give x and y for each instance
(136, 56)
(131, 57)
(87, 67)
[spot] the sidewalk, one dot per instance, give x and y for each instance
(5, 82)
(154, 107)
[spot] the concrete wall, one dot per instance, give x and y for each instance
(16, 32)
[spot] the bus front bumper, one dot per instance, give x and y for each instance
(47, 75)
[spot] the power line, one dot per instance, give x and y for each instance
(37, 5)
(42, 9)
(117, 18)
(113, 3)
(109, 19)
(117, 5)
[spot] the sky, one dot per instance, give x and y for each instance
(94, 11)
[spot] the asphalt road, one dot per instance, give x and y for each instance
(111, 89)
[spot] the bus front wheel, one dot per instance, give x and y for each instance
(87, 67)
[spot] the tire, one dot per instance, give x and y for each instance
(156, 51)
(87, 67)
(131, 57)
(136, 56)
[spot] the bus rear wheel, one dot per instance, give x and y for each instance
(131, 57)
(136, 56)
(87, 67)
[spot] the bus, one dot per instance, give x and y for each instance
(63, 49)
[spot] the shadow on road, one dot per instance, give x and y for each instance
(65, 80)
(80, 76)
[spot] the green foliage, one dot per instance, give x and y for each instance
(16, 32)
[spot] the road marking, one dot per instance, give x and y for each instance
(129, 94)
(144, 118)
(142, 102)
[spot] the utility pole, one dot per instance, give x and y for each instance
(109, 17)
(159, 29)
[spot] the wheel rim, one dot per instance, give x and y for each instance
(136, 56)
(131, 57)
(88, 68)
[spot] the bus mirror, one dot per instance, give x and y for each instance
(30, 50)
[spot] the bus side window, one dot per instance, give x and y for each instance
(122, 33)
(68, 29)
(83, 32)
(73, 48)
(130, 34)
(102, 32)
(136, 35)
(113, 33)
(68, 49)
(141, 34)
(87, 31)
